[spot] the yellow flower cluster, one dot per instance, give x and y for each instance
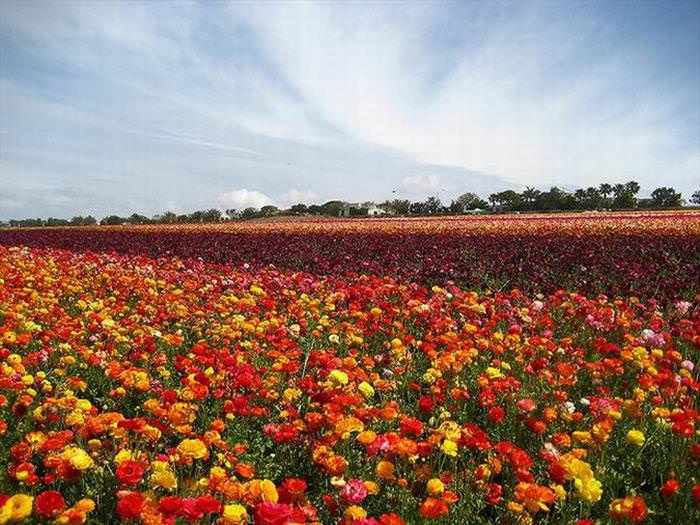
(587, 486)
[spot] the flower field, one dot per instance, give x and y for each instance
(507, 370)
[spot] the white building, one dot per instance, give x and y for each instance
(358, 209)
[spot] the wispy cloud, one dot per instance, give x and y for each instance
(195, 142)
(144, 106)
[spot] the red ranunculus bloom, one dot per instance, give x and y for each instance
(670, 488)
(48, 503)
(268, 513)
(129, 507)
(170, 505)
(433, 508)
(130, 472)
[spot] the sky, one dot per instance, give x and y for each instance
(122, 107)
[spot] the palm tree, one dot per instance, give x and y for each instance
(530, 196)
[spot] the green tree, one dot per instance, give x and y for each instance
(168, 217)
(112, 220)
(554, 199)
(626, 195)
(666, 197)
(433, 205)
(695, 199)
(250, 213)
(606, 190)
(135, 218)
(470, 201)
(400, 206)
(530, 196)
(211, 215)
(332, 208)
(269, 210)
(52, 221)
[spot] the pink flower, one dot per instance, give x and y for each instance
(354, 491)
(526, 405)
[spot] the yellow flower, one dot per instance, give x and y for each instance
(192, 448)
(449, 447)
(291, 395)
(164, 478)
(85, 505)
(349, 424)
(269, 491)
(354, 512)
(560, 491)
(366, 389)
(338, 378)
(385, 469)
(217, 472)
(589, 489)
(19, 506)
(234, 514)
(78, 458)
(435, 487)
(5, 513)
(372, 488)
(575, 468)
(636, 437)
(493, 373)
(75, 418)
(123, 455)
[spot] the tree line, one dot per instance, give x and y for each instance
(602, 197)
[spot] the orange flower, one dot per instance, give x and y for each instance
(433, 508)
(630, 508)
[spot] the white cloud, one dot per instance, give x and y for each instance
(242, 199)
(533, 107)
(295, 196)
(421, 184)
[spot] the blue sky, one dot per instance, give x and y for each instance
(147, 106)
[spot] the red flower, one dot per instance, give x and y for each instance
(129, 507)
(190, 510)
(695, 493)
(496, 415)
(493, 493)
(557, 472)
(670, 488)
(208, 505)
(391, 519)
(291, 490)
(130, 472)
(170, 505)
(433, 508)
(48, 503)
(268, 513)
(426, 404)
